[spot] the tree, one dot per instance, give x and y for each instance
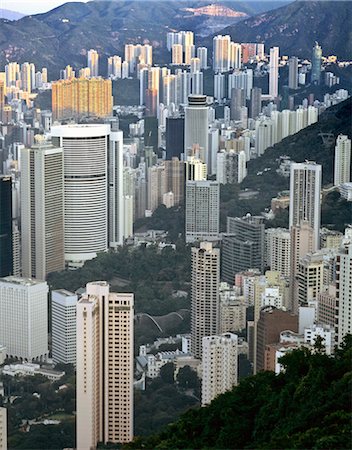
(167, 373)
(187, 378)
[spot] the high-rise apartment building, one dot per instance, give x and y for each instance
(3, 428)
(196, 124)
(114, 67)
(205, 280)
(243, 246)
(221, 53)
(202, 210)
(238, 100)
(305, 187)
(115, 181)
(157, 186)
(42, 210)
(93, 62)
(2, 98)
(24, 318)
(255, 102)
(293, 73)
(274, 72)
(63, 326)
(81, 97)
(231, 166)
(177, 54)
(302, 242)
(342, 164)
(85, 189)
(202, 54)
(343, 323)
(310, 278)
(175, 178)
(278, 249)
(219, 365)
(105, 367)
(6, 241)
(270, 324)
(316, 64)
(232, 309)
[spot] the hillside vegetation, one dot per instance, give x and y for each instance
(307, 406)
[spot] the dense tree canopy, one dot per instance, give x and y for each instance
(307, 406)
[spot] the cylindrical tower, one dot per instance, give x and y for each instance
(85, 184)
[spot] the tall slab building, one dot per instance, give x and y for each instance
(42, 210)
(204, 294)
(6, 250)
(105, 367)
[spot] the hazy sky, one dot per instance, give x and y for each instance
(32, 6)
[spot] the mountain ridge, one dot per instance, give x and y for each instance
(290, 28)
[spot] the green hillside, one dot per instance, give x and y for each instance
(306, 407)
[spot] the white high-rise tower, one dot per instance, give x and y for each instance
(342, 165)
(116, 201)
(196, 124)
(85, 187)
(274, 72)
(93, 62)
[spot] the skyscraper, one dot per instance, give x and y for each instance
(175, 178)
(24, 318)
(274, 72)
(305, 187)
(177, 54)
(204, 294)
(219, 365)
(6, 250)
(243, 246)
(302, 242)
(278, 250)
(343, 323)
(196, 123)
(93, 62)
(256, 102)
(105, 367)
(116, 202)
(175, 141)
(342, 164)
(202, 210)
(293, 73)
(221, 53)
(42, 210)
(3, 428)
(238, 99)
(202, 54)
(63, 326)
(2, 99)
(85, 187)
(316, 64)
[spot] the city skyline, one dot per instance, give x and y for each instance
(175, 218)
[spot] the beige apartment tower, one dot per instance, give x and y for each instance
(204, 294)
(42, 210)
(3, 428)
(104, 367)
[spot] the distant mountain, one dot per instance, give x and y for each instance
(296, 26)
(10, 15)
(63, 35)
